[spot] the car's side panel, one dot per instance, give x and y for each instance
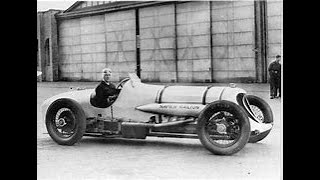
(133, 95)
(183, 94)
(214, 94)
(83, 98)
(173, 109)
(230, 94)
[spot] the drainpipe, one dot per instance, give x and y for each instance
(176, 41)
(260, 41)
(138, 70)
(211, 42)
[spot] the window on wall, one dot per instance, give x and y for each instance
(47, 52)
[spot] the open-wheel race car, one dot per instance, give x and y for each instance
(223, 118)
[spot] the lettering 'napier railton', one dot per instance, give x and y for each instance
(189, 107)
(168, 106)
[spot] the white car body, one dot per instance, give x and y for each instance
(139, 102)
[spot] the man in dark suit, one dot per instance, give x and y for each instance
(105, 92)
(275, 78)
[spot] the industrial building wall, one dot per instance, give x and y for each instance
(233, 40)
(93, 45)
(120, 43)
(82, 48)
(193, 36)
(89, 44)
(173, 42)
(47, 56)
(157, 40)
(275, 29)
(70, 65)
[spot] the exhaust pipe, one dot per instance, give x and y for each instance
(147, 125)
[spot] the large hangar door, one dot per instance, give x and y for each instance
(70, 50)
(233, 41)
(193, 36)
(121, 43)
(157, 37)
(92, 47)
(82, 48)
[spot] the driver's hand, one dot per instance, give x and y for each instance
(113, 97)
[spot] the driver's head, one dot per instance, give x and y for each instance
(106, 74)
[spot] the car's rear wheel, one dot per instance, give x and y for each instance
(223, 128)
(65, 121)
(263, 112)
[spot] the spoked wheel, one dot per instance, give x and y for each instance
(65, 122)
(223, 128)
(263, 113)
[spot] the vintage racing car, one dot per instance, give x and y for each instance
(223, 118)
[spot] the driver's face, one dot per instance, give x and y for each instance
(107, 76)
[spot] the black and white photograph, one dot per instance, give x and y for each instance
(164, 89)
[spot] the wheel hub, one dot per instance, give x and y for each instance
(221, 128)
(61, 122)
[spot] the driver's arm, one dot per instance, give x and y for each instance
(114, 92)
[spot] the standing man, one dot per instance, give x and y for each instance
(275, 78)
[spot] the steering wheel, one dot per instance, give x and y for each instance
(121, 83)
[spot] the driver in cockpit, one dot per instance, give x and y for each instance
(106, 92)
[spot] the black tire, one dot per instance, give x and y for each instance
(267, 116)
(207, 120)
(67, 116)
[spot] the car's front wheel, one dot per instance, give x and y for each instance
(65, 121)
(223, 127)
